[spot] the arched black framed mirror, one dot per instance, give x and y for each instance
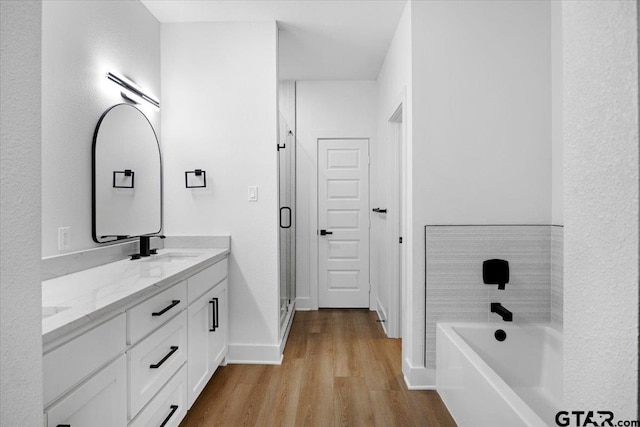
(127, 176)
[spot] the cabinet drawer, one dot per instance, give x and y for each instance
(101, 401)
(154, 360)
(169, 406)
(200, 283)
(147, 316)
(67, 365)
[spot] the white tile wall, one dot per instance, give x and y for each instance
(557, 263)
(454, 286)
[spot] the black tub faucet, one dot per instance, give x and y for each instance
(506, 315)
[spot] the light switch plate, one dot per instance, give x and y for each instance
(253, 193)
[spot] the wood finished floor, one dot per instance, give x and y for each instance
(339, 369)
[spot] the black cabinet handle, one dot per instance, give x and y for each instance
(173, 408)
(174, 348)
(214, 307)
(167, 308)
(63, 425)
(325, 232)
(289, 211)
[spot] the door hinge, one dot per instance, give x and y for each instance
(400, 240)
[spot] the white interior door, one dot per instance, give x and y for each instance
(343, 223)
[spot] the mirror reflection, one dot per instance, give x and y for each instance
(127, 176)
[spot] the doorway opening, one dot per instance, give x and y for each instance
(396, 307)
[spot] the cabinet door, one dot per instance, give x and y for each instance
(101, 401)
(218, 337)
(207, 342)
(199, 322)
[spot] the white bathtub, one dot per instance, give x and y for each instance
(485, 382)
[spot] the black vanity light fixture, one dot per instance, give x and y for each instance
(132, 88)
(196, 172)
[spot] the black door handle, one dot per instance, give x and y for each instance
(325, 232)
(289, 211)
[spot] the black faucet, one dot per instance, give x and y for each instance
(506, 315)
(145, 245)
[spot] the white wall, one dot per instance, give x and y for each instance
(482, 99)
(81, 42)
(393, 88)
(220, 114)
(20, 146)
(323, 108)
(481, 144)
(600, 79)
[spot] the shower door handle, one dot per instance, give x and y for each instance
(289, 211)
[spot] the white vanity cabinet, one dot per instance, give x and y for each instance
(207, 337)
(147, 363)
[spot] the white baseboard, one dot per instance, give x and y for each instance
(418, 377)
(285, 336)
(382, 315)
(303, 304)
(252, 354)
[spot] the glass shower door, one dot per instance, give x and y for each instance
(286, 184)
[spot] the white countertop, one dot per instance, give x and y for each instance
(71, 301)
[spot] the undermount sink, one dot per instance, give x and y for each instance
(170, 257)
(50, 311)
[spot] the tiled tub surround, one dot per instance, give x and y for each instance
(77, 299)
(455, 291)
(557, 266)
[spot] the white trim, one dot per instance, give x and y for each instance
(285, 337)
(254, 354)
(303, 304)
(418, 378)
(313, 209)
(382, 315)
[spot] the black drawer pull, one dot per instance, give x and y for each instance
(167, 308)
(174, 348)
(174, 408)
(63, 425)
(214, 305)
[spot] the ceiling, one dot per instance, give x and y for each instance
(319, 39)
